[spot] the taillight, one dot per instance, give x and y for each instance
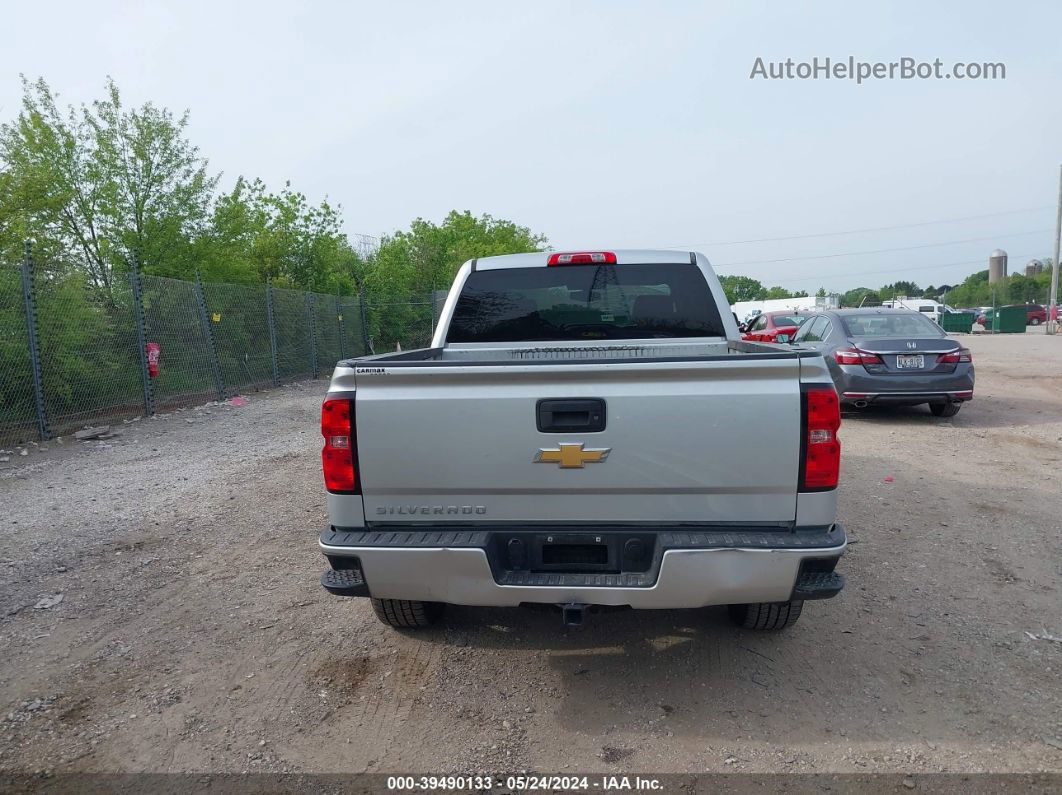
(583, 258)
(856, 356)
(961, 355)
(822, 450)
(337, 456)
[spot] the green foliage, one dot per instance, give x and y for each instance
(426, 258)
(741, 288)
(745, 288)
(1015, 289)
(899, 289)
(16, 386)
(99, 185)
(258, 236)
(87, 344)
(428, 255)
(96, 186)
(776, 293)
(860, 296)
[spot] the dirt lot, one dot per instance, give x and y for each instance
(193, 636)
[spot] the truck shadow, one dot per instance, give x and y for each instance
(692, 674)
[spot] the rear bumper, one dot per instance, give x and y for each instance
(907, 398)
(690, 569)
(856, 384)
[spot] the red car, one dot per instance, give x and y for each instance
(1035, 314)
(767, 327)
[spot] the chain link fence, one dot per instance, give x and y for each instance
(77, 351)
(18, 416)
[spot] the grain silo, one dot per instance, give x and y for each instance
(997, 266)
(1034, 268)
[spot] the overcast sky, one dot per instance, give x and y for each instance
(607, 124)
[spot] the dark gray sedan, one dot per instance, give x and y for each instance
(892, 357)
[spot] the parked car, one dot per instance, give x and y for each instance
(568, 445)
(770, 325)
(1035, 314)
(893, 357)
(750, 318)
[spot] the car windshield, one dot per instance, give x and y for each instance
(901, 324)
(578, 302)
(789, 320)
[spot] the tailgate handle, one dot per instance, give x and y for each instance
(561, 415)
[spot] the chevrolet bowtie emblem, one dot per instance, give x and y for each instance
(572, 456)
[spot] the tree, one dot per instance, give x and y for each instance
(821, 293)
(256, 236)
(99, 185)
(740, 288)
(776, 293)
(428, 255)
(426, 258)
(860, 296)
(154, 188)
(899, 289)
(974, 291)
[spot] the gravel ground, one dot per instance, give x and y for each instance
(192, 634)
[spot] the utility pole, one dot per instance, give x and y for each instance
(1052, 309)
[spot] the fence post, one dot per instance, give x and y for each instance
(364, 322)
(272, 334)
(141, 337)
(208, 332)
(339, 327)
(311, 326)
(29, 300)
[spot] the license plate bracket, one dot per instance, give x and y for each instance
(574, 552)
(566, 550)
(915, 361)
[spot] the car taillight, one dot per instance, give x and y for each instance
(822, 450)
(961, 355)
(856, 356)
(583, 258)
(337, 456)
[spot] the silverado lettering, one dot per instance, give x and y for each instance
(382, 510)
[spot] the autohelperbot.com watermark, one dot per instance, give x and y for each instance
(849, 68)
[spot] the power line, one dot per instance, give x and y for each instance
(934, 266)
(866, 229)
(880, 250)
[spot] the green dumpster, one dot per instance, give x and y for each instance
(1007, 319)
(957, 321)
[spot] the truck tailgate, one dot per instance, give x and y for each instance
(683, 442)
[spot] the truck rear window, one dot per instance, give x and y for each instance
(580, 302)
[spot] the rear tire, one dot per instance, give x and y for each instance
(768, 616)
(407, 614)
(945, 409)
(1034, 322)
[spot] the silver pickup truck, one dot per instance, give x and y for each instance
(586, 430)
